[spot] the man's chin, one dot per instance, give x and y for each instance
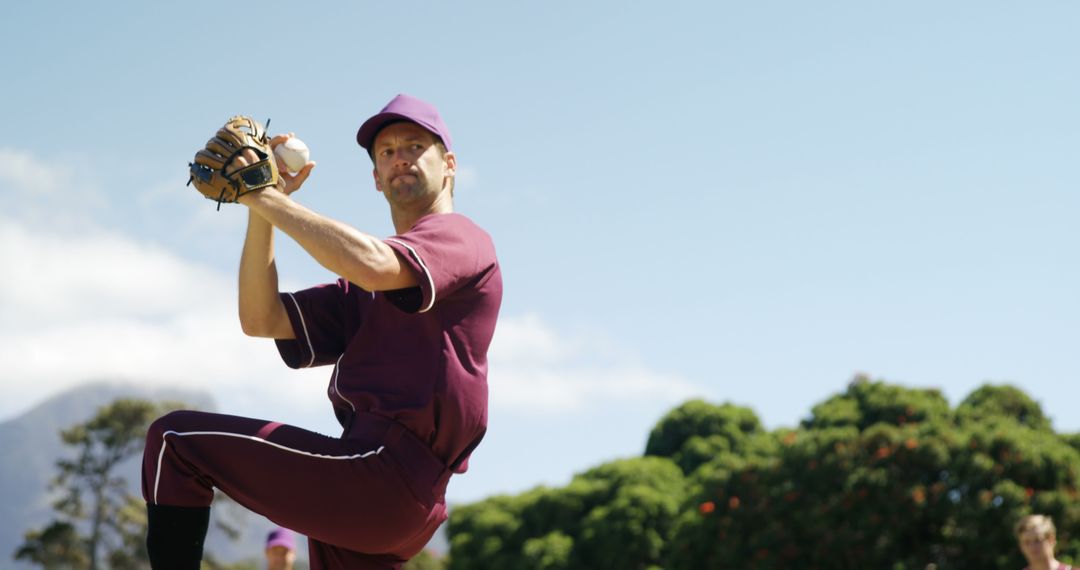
(401, 187)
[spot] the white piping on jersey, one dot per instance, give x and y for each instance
(303, 324)
(157, 477)
(337, 367)
(423, 266)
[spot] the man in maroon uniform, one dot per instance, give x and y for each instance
(406, 328)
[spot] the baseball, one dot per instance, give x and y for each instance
(294, 153)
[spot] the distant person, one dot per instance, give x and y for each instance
(280, 549)
(1038, 537)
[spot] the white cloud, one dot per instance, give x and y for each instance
(104, 307)
(55, 278)
(21, 170)
(61, 195)
(538, 370)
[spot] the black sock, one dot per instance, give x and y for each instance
(174, 538)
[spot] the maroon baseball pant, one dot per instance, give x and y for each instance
(370, 499)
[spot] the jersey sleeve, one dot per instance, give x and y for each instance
(445, 251)
(323, 319)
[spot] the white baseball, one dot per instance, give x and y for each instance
(294, 153)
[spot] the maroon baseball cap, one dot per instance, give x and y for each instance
(281, 537)
(404, 108)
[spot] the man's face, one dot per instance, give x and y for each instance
(279, 558)
(409, 167)
(1037, 548)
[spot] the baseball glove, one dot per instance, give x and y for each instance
(213, 171)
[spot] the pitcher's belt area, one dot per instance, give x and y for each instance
(428, 473)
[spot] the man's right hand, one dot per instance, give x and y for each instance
(292, 182)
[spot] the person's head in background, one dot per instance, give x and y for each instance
(280, 549)
(1037, 538)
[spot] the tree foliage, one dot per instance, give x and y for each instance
(58, 545)
(878, 476)
(617, 515)
(696, 432)
(1008, 402)
(93, 497)
(426, 560)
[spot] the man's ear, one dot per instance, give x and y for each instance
(451, 163)
(375, 174)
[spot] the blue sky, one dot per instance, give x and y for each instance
(747, 202)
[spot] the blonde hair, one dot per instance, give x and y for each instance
(1041, 524)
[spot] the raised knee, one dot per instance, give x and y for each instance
(171, 421)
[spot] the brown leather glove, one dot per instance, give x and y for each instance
(217, 177)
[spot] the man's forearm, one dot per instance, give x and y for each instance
(352, 254)
(260, 308)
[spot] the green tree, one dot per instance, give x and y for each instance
(426, 560)
(697, 431)
(866, 402)
(989, 403)
(886, 477)
(93, 496)
(878, 476)
(549, 552)
(618, 515)
(58, 545)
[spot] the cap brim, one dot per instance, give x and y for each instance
(365, 137)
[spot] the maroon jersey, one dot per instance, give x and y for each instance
(416, 355)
